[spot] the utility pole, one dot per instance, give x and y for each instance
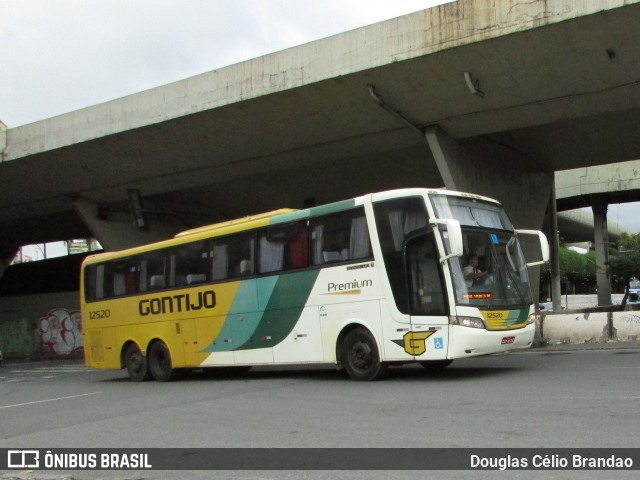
(554, 256)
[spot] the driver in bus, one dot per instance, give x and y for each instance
(472, 274)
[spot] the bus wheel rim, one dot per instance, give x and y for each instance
(362, 355)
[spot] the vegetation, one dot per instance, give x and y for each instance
(625, 264)
(577, 271)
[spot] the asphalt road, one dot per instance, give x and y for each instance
(525, 400)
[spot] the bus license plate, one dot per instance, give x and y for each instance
(508, 340)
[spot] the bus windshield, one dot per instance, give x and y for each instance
(493, 272)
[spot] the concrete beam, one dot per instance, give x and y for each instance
(427, 32)
(618, 183)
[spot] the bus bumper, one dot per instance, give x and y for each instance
(470, 342)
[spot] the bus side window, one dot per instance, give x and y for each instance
(219, 261)
(94, 282)
(271, 254)
(191, 264)
(299, 248)
(118, 287)
(340, 237)
(241, 254)
(359, 243)
(283, 247)
(123, 277)
(153, 271)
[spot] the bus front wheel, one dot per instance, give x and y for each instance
(360, 357)
(159, 359)
(136, 364)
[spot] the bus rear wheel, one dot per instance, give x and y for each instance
(136, 364)
(159, 359)
(360, 357)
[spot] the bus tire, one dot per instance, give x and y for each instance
(136, 364)
(159, 359)
(435, 364)
(360, 357)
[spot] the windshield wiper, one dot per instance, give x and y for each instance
(516, 281)
(505, 276)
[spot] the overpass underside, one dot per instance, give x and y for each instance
(549, 86)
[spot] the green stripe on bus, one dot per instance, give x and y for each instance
(517, 316)
(283, 311)
(313, 212)
(236, 332)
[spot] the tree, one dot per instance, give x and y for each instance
(625, 264)
(576, 269)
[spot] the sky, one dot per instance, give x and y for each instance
(63, 55)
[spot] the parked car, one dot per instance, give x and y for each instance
(547, 307)
(634, 295)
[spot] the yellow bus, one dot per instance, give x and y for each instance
(362, 284)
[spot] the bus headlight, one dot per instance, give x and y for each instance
(533, 318)
(473, 322)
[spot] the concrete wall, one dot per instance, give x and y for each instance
(41, 325)
(572, 328)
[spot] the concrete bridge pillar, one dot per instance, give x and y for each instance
(601, 240)
(523, 192)
(554, 251)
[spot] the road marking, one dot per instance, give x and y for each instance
(49, 400)
(64, 367)
(56, 370)
(577, 350)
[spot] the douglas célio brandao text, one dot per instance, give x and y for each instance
(551, 462)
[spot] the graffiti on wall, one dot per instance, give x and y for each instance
(631, 319)
(59, 332)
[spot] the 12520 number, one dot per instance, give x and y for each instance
(98, 314)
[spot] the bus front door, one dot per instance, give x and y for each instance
(428, 338)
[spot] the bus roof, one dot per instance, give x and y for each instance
(234, 222)
(273, 217)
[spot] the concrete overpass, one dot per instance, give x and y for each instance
(618, 183)
(587, 186)
(576, 226)
(489, 96)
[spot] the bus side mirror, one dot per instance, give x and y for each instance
(452, 235)
(543, 244)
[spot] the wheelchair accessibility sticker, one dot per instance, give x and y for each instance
(438, 344)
